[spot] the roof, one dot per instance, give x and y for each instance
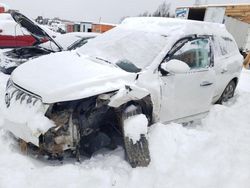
(215, 5)
(238, 11)
(173, 26)
(103, 23)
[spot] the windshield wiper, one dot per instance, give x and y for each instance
(104, 60)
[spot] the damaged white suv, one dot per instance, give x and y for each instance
(108, 92)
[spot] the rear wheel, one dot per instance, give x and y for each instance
(136, 150)
(228, 92)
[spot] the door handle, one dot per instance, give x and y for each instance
(223, 71)
(206, 83)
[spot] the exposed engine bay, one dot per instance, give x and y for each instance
(85, 126)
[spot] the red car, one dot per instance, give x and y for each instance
(12, 35)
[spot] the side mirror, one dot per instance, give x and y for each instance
(175, 66)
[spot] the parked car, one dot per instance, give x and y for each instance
(9, 60)
(145, 70)
(12, 35)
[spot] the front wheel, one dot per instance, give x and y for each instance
(135, 126)
(227, 93)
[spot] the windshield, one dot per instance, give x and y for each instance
(126, 48)
(79, 43)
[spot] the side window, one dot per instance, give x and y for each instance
(195, 53)
(227, 45)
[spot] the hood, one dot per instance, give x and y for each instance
(66, 76)
(36, 31)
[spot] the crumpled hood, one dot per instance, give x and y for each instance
(66, 76)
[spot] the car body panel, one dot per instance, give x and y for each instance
(9, 41)
(181, 101)
(79, 77)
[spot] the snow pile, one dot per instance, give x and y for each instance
(215, 153)
(135, 126)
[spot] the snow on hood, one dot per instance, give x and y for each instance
(66, 76)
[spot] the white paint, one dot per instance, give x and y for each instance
(214, 154)
(70, 76)
(175, 66)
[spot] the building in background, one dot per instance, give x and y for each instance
(101, 27)
(86, 26)
(66, 26)
(236, 18)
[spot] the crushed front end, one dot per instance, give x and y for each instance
(81, 126)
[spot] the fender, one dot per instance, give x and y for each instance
(126, 94)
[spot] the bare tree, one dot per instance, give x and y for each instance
(145, 14)
(163, 10)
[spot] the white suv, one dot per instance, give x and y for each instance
(143, 71)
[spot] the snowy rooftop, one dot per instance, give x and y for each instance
(172, 26)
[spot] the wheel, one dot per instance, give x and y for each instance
(136, 149)
(227, 93)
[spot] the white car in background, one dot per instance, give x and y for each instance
(145, 70)
(11, 59)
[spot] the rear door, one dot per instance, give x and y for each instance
(228, 61)
(190, 93)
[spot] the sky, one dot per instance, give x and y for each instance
(110, 11)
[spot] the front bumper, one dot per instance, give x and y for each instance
(31, 120)
(22, 109)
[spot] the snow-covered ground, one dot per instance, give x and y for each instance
(212, 154)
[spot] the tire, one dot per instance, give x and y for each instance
(227, 93)
(137, 153)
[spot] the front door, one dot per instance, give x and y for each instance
(190, 93)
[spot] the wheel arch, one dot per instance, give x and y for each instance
(145, 104)
(236, 80)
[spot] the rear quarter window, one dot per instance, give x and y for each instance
(227, 46)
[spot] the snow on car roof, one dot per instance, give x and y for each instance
(65, 40)
(174, 26)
